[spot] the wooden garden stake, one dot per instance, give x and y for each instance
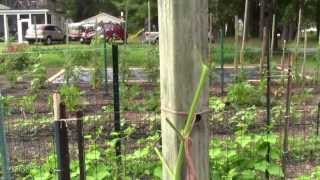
(297, 44)
(282, 60)
(272, 35)
(263, 50)
(182, 47)
(299, 29)
(304, 58)
(244, 33)
(236, 43)
(286, 123)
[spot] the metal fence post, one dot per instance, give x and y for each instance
(81, 145)
(4, 156)
(116, 97)
(61, 139)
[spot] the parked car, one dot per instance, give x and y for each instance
(111, 31)
(74, 31)
(152, 37)
(45, 33)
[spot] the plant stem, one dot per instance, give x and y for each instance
(189, 124)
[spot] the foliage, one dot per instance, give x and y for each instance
(246, 152)
(243, 93)
(216, 104)
(71, 96)
(97, 156)
(27, 104)
(151, 66)
(38, 75)
(96, 63)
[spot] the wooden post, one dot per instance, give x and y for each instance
(299, 28)
(282, 60)
(263, 50)
(304, 58)
(61, 138)
(236, 43)
(273, 35)
(244, 33)
(183, 46)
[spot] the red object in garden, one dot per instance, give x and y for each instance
(111, 31)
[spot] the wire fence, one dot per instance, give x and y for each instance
(237, 133)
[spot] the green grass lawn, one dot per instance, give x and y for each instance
(136, 54)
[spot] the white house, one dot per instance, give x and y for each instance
(15, 22)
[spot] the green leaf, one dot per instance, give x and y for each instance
(261, 166)
(248, 175)
(275, 170)
(157, 172)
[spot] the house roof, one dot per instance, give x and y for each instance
(4, 7)
(22, 11)
(104, 17)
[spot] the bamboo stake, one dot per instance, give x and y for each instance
(282, 60)
(304, 57)
(236, 43)
(287, 119)
(244, 33)
(299, 28)
(273, 35)
(263, 49)
(297, 44)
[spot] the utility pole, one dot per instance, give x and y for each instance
(183, 26)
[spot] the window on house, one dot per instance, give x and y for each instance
(38, 19)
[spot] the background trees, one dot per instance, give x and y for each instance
(223, 12)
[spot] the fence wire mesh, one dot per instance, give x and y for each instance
(236, 133)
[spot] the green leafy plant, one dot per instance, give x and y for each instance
(38, 75)
(26, 104)
(71, 96)
(243, 93)
(244, 156)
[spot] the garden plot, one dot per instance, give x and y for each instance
(84, 75)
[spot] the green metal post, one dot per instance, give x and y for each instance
(222, 60)
(4, 156)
